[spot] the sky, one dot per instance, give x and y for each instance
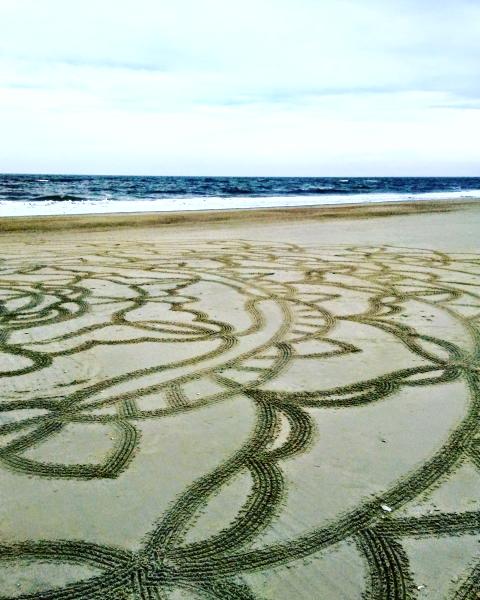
(257, 87)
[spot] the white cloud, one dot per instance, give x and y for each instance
(216, 86)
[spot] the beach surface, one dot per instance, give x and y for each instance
(265, 404)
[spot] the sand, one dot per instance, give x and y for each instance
(269, 404)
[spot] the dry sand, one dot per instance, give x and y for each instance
(273, 404)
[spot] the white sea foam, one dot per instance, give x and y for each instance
(9, 208)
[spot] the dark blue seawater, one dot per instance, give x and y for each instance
(56, 194)
(92, 187)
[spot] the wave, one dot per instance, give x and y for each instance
(160, 193)
(62, 205)
(58, 198)
(312, 191)
(235, 191)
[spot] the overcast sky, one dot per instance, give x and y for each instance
(250, 87)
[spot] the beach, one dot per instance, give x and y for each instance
(272, 403)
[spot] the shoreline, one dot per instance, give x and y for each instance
(189, 217)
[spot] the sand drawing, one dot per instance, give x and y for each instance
(327, 398)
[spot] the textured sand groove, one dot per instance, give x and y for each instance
(111, 354)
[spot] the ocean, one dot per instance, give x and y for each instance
(46, 194)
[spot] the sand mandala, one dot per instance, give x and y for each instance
(239, 420)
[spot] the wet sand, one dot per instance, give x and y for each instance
(267, 404)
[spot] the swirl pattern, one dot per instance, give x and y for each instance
(191, 421)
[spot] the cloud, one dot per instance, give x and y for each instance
(272, 63)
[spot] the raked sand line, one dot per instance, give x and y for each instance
(315, 398)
